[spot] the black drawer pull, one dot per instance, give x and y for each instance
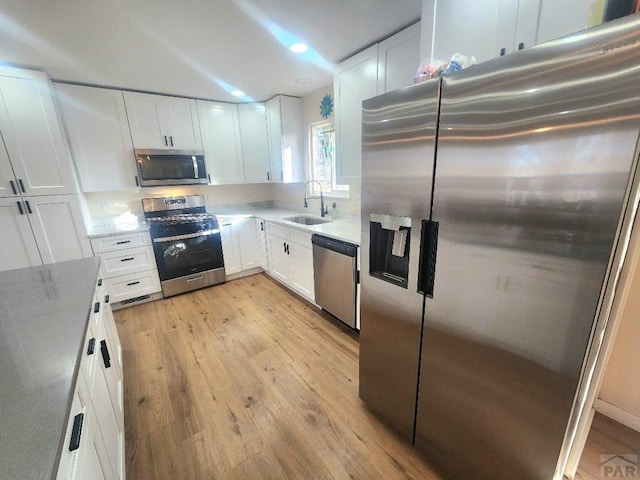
(106, 299)
(26, 202)
(20, 208)
(92, 346)
(96, 307)
(133, 283)
(22, 185)
(122, 242)
(128, 259)
(76, 432)
(99, 282)
(13, 187)
(106, 358)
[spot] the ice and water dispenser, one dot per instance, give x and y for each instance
(390, 241)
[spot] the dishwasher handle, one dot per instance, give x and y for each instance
(339, 246)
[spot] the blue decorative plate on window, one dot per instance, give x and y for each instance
(326, 106)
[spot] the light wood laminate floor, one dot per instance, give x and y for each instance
(246, 380)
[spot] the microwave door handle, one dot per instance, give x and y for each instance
(195, 166)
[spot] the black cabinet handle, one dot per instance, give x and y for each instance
(99, 282)
(209, 177)
(96, 307)
(26, 202)
(128, 259)
(262, 226)
(268, 176)
(428, 250)
(122, 242)
(166, 141)
(91, 347)
(22, 185)
(20, 208)
(171, 139)
(133, 283)
(521, 46)
(137, 182)
(106, 358)
(76, 432)
(284, 246)
(106, 299)
(13, 187)
(503, 52)
(288, 252)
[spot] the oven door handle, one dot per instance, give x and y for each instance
(204, 233)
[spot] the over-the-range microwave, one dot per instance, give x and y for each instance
(170, 167)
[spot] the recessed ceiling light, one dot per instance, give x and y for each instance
(303, 80)
(237, 93)
(299, 47)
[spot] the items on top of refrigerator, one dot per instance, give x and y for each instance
(436, 68)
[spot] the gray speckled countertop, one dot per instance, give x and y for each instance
(43, 319)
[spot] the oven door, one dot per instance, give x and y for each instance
(170, 167)
(183, 255)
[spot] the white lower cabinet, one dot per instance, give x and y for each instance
(261, 232)
(240, 245)
(230, 248)
(291, 258)
(94, 440)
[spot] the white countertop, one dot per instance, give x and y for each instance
(340, 229)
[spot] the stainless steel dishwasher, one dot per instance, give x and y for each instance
(335, 277)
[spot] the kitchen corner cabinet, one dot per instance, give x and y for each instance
(99, 137)
(254, 139)
(163, 122)
(291, 258)
(286, 137)
(398, 59)
(36, 160)
(355, 80)
(37, 230)
(221, 141)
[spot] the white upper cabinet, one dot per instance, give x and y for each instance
(286, 138)
(99, 137)
(558, 19)
(32, 135)
(221, 141)
(355, 80)
(398, 59)
(58, 229)
(254, 140)
(162, 122)
(19, 249)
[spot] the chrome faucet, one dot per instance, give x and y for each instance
(324, 211)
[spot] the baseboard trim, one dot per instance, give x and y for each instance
(618, 414)
(244, 273)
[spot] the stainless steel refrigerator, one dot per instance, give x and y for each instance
(491, 210)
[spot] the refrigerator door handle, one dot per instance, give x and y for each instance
(428, 250)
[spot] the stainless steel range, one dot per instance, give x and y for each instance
(186, 243)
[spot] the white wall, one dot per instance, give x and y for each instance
(292, 195)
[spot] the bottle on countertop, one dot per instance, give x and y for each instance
(334, 211)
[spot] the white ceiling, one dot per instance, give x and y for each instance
(192, 47)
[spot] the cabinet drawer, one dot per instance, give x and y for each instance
(298, 236)
(277, 230)
(118, 242)
(134, 285)
(131, 260)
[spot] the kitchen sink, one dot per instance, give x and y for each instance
(307, 220)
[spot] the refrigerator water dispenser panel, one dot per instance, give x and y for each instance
(390, 241)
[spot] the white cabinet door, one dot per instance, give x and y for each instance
(274, 123)
(145, 120)
(248, 242)
(301, 269)
(526, 33)
(221, 141)
(293, 161)
(468, 27)
(278, 258)
(562, 18)
(58, 228)
(230, 249)
(99, 137)
(356, 79)
(8, 184)
(255, 142)
(19, 248)
(93, 460)
(181, 119)
(32, 133)
(398, 59)
(261, 230)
